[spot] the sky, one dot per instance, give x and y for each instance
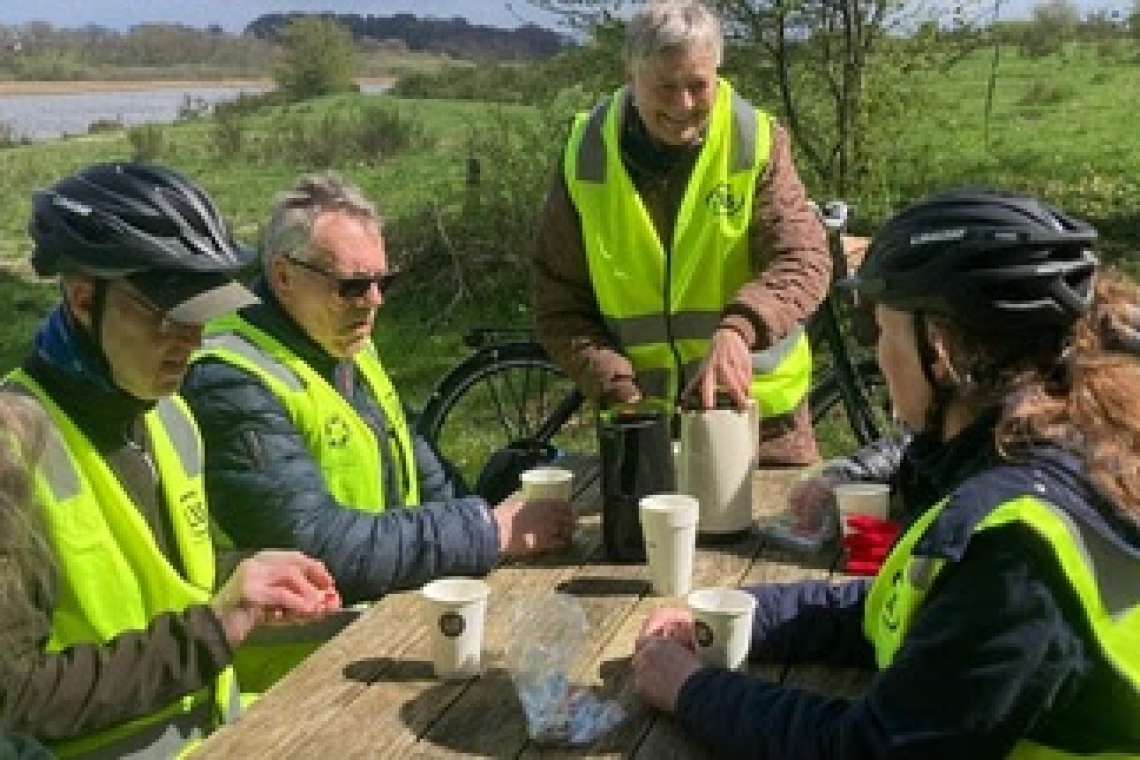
(233, 15)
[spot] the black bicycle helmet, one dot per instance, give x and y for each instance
(122, 219)
(986, 260)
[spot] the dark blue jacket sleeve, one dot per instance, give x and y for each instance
(812, 621)
(266, 491)
(989, 654)
(437, 481)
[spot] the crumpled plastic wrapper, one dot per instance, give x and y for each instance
(548, 635)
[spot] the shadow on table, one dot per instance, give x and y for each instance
(605, 587)
(488, 722)
(372, 669)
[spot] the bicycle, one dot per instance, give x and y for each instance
(508, 391)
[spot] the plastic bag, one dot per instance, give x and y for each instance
(809, 520)
(548, 635)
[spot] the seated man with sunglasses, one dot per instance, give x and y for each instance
(307, 445)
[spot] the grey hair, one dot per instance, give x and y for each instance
(290, 228)
(667, 26)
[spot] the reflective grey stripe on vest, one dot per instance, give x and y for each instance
(58, 468)
(591, 164)
(55, 463)
(246, 350)
(767, 360)
(694, 325)
(743, 135)
(62, 477)
(921, 572)
(233, 701)
(1117, 575)
(158, 741)
(183, 434)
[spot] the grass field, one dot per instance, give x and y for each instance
(1061, 128)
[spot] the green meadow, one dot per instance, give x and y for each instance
(1062, 128)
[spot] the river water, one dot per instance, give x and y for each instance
(47, 116)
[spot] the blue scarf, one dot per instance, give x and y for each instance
(64, 345)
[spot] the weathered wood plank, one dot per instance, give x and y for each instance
(370, 692)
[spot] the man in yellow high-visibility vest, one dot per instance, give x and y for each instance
(126, 649)
(678, 252)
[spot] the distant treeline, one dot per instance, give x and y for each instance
(454, 37)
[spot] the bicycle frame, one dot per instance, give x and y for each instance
(825, 328)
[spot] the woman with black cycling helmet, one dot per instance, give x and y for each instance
(129, 652)
(1006, 620)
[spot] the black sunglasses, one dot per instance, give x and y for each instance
(351, 287)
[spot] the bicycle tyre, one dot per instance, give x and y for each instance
(498, 396)
(835, 433)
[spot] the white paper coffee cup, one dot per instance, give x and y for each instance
(547, 484)
(456, 609)
(862, 499)
(722, 619)
(669, 526)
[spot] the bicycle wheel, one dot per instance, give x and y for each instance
(834, 430)
(501, 395)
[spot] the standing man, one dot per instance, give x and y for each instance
(116, 642)
(307, 443)
(678, 252)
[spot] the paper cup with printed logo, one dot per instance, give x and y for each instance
(547, 484)
(456, 609)
(722, 619)
(669, 526)
(861, 499)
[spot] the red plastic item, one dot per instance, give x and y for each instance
(862, 567)
(873, 526)
(868, 543)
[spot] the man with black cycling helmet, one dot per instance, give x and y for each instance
(1006, 620)
(131, 654)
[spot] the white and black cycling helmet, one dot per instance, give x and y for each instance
(147, 224)
(986, 260)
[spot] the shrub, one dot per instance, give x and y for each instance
(192, 107)
(228, 134)
(102, 126)
(8, 136)
(147, 142)
(343, 135)
(319, 59)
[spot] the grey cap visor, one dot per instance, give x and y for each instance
(193, 299)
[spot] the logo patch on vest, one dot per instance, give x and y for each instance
(722, 201)
(890, 609)
(336, 432)
(194, 508)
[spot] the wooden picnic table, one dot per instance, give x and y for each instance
(370, 692)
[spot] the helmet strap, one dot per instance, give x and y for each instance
(943, 393)
(98, 309)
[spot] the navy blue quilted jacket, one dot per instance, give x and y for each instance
(266, 491)
(998, 651)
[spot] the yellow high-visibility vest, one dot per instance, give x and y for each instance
(662, 300)
(1110, 600)
(113, 577)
